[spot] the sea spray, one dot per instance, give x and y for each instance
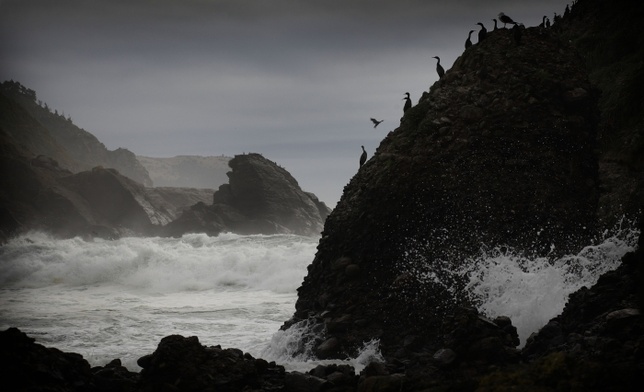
(502, 281)
(293, 348)
(533, 290)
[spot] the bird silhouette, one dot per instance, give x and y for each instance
(543, 22)
(495, 27)
(407, 103)
(506, 19)
(439, 68)
(482, 32)
(376, 122)
(468, 42)
(363, 157)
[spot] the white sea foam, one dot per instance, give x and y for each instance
(161, 265)
(293, 348)
(533, 290)
(118, 299)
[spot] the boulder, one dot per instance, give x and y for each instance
(183, 364)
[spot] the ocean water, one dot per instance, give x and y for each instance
(118, 299)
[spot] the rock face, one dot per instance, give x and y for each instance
(260, 198)
(501, 151)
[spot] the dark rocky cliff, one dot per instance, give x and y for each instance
(611, 44)
(501, 151)
(259, 198)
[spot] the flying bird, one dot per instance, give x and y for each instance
(439, 68)
(468, 42)
(506, 19)
(363, 157)
(482, 32)
(407, 103)
(376, 122)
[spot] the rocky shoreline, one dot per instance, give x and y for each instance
(596, 344)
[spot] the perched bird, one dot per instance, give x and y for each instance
(439, 68)
(468, 42)
(495, 28)
(376, 122)
(543, 22)
(363, 157)
(547, 22)
(407, 103)
(506, 19)
(482, 32)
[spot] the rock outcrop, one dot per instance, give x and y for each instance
(607, 36)
(259, 198)
(501, 151)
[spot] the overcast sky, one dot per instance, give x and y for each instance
(294, 80)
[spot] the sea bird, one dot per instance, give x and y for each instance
(363, 157)
(482, 32)
(407, 103)
(506, 19)
(495, 28)
(543, 22)
(376, 122)
(468, 42)
(439, 68)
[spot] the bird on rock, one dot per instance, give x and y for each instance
(482, 32)
(439, 68)
(407, 103)
(495, 26)
(506, 19)
(376, 122)
(468, 42)
(363, 157)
